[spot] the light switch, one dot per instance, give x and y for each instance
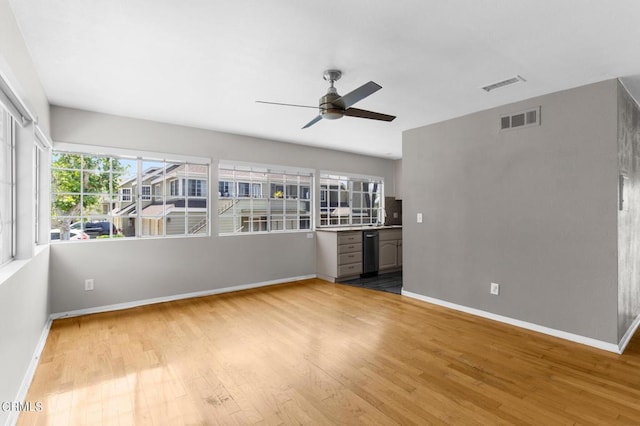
(419, 217)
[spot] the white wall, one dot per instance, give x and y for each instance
(23, 283)
(126, 271)
(531, 209)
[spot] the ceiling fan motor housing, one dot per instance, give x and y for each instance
(330, 107)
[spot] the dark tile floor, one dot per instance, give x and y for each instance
(391, 282)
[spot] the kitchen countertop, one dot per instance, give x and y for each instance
(357, 228)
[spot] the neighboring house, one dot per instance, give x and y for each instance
(173, 201)
(255, 202)
(252, 201)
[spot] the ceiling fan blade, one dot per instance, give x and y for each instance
(355, 112)
(312, 122)
(360, 93)
(293, 105)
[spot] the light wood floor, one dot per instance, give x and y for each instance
(312, 352)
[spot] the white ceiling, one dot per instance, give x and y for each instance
(204, 63)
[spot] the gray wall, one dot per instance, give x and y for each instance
(629, 217)
(532, 209)
(23, 315)
(127, 271)
(24, 283)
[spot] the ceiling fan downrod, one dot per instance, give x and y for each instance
(330, 106)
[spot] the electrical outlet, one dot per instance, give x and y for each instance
(310, 235)
(419, 217)
(88, 284)
(495, 289)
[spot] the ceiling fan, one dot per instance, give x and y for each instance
(333, 106)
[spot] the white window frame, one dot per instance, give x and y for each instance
(256, 190)
(41, 179)
(348, 219)
(199, 187)
(37, 162)
(125, 195)
(8, 225)
(21, 234)
(175, 188)
(268, 220)
(168, 160)
(148, 195)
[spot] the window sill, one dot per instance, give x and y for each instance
(143, 238)
(234, 234)
(11, 268)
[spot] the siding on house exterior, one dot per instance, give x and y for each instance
(168, 204)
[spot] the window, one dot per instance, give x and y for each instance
(175, 188)
(196, 188)
(40, 153)
(125, 194)
(257, 198)
(95, 194)
(41, 179)
(146, 193)
(244, 189)
(350, 200)
(7, 187)
(256, 190)
(225, 189)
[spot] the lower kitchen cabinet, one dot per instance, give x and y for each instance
(388, 254)
(390, 250)
(339, 255)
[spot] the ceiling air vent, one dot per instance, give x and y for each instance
(530, 117)
(503, 83)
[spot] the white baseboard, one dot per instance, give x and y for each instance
(629, 334)
(31, 371)
(611, 347)
(136, 303)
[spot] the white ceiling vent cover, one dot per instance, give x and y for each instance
(516, 120)
(503, 83)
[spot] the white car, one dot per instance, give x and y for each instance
(74, 234)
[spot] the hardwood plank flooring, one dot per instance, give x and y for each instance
(311, 352)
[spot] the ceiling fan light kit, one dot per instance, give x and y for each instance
(333, 106)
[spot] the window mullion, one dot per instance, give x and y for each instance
(186, 199)
(81, 215)
(269, 203)
(138, 199)
(163, 187)
(14, 211)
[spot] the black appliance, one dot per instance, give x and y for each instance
(370, 253)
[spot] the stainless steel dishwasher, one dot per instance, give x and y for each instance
(369, 253)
